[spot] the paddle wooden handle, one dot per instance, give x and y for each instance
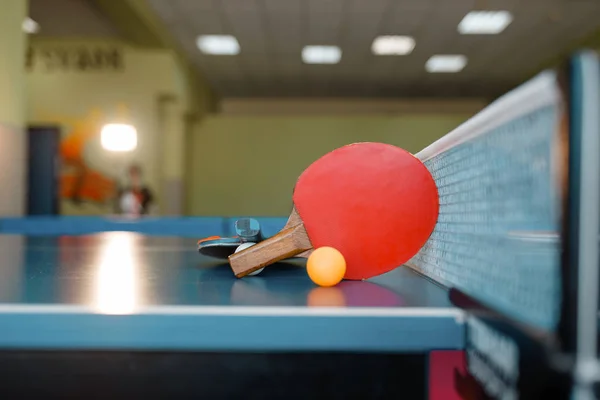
(290, 242)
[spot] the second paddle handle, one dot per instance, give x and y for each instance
(287, 243)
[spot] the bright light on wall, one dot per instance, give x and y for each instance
(484, 22)
(30, 26)
(118, 137)
(393, 45)
(222, 45)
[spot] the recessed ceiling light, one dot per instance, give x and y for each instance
(223, 45)
(393, 45)
(446, 63)
(321, 54)
(484, 22)
(30, 26)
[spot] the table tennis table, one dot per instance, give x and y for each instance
(123, 290)
(508, 281)
(128, 292)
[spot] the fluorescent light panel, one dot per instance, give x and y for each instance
(450, 63)
(484, 22)
(321, 54)
(222, 45)
(393, 45)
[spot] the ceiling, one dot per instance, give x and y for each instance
(70, 18)
(272, 33)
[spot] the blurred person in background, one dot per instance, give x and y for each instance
(135, 198)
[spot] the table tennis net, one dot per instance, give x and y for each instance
(496, 238)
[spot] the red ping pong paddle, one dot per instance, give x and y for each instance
(376, 203)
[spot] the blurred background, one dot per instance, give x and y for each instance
(220, 104)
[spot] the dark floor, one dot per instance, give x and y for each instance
(106, 375)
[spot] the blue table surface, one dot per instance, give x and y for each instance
(124, 290)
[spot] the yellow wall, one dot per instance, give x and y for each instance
(86, 99)
(12, 48)
(248, 165)
(12, 105)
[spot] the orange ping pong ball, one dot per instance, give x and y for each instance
(326, 266)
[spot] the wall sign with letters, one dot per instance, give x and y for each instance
(79, 59)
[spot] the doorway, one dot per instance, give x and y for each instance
(43, 170)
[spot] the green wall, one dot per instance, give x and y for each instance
(248, 165)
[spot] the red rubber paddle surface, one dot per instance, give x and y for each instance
(376, 203)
